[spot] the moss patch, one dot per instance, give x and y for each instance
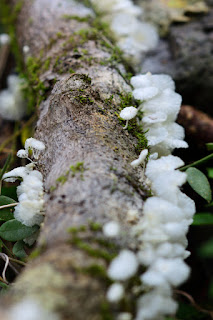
(74, 170)
(136, 130)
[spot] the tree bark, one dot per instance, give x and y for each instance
(79, 124)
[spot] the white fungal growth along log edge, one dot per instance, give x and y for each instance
(161, 230)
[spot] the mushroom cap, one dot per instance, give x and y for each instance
(128, 113)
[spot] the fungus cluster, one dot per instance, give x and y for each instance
(161, 233)
(133, 36)
(160, 105)
(161, 230)
(29, 210)
(12, 103)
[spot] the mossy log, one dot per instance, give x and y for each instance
(78, 74)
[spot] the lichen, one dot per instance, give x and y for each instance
(46, 286)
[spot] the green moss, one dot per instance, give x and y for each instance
(106, 313)
(73, 170)
(81, 99)
(84, 51)
(35, 253)
(126, 100)
(86, 78)
(93, 246)
(59, 34)
(71, 70)
(106, 244)
(36, 90)
(78, 167)
(136, 130)
(109, 100)
(62, 179)
(46, 64)
(93, 252)
(100, 32)
(75, 230)
(96, 270)
(57, 59)
(77, 18)
(87, 34)
(94, 226)
(52, 188)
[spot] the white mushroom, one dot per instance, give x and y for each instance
(128, 113)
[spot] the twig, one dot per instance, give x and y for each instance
(13, 268)
(7, 262)
(192, 301)
(197, 163)
(6, 259)
(8, 205)
(18, 261)
(2, 280)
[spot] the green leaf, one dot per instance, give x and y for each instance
(211, 289)
(209, 205)
(188, 312)
(201, 219)
(14, 230)
(6, 214)
(1, 245)
(18, 249)
(206, 250)
(5, 166)
(209, 146)
(9, 192)
(199, 183)
(4, 287)
(210, 172)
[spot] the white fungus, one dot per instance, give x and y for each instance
(161, 229)
(133, 36)
(12, 103)
(4, 39)
(26, 49)
(127, 114)
(124, 316)
(141, 159)
(29, 210)
(111, 229)
(29, 309)
(123, 266)
(145, 94)
(115, 292)
(22, 153)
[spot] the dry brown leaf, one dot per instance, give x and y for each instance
(164, 12)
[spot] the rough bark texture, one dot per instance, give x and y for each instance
(77, 123)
